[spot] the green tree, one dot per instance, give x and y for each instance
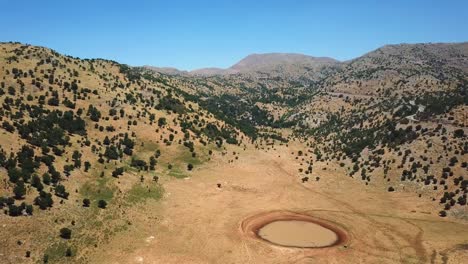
(36, 182)
(459, 133)
(65, 233)
(14, 174)
(117, 172)
(106, 141)
(46, 178)
(86, 202)
(162, 121)
(14, 210)
(87, 166)
(61, 192)
(44, 200)
(153, 163)
(102, 204)
(76, 155)
(29, 209)
(111, 153)
(19, 190)
(69, 252)
(11, 90)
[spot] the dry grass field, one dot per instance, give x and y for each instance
(197, 222)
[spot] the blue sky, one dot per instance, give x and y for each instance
(195, 34)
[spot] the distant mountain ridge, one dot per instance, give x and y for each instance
(264, 62)
(166, 70)
(294, 63)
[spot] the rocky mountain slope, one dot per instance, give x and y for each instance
(91, 139)
(396, 116)
(79, 136)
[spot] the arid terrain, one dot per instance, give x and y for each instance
(196, 222)
(101, 162)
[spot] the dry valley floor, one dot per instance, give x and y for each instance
(197, 222)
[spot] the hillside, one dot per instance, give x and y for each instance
(395, 116)
(101, 162)
(79, 135)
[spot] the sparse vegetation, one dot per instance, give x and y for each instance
(86, 143)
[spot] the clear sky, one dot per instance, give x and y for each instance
(199, 33)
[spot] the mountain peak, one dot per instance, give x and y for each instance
(267, 61)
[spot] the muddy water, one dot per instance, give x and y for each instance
(294, 233)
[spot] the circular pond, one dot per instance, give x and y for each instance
(294, 230)
(297, 234)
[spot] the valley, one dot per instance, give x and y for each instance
(101, 162)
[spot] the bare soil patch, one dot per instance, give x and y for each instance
(197, 222)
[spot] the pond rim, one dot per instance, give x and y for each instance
(251, 226)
